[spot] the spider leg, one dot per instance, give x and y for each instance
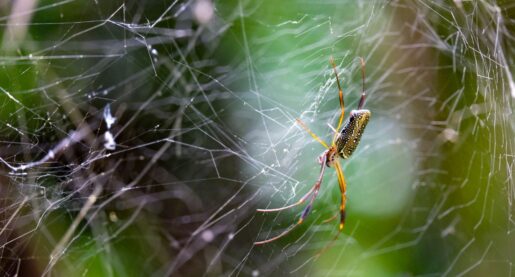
(307, 209)
(313, 192)
(363, 94)
(343, 189)
(342, 103)
(278, 236)
(330, 219)
(301, 200)
(311, 133)
(305, 213)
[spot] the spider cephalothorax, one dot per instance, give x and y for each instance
(328, 156)
(344, 143)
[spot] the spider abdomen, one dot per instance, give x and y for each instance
(351, 133)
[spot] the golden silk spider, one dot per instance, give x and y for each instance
(342, 146)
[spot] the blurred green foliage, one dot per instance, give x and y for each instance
(429, 188)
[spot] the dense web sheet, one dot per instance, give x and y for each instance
(140, 137)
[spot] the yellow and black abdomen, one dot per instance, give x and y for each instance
(351, 133)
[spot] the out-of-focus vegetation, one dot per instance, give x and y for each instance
(205, 97)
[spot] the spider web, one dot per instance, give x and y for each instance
(139, 137)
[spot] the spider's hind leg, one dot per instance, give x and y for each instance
(313, 193)
(305, 214)
(343, 190)
(301, 200)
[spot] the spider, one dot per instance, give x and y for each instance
(342, 146)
